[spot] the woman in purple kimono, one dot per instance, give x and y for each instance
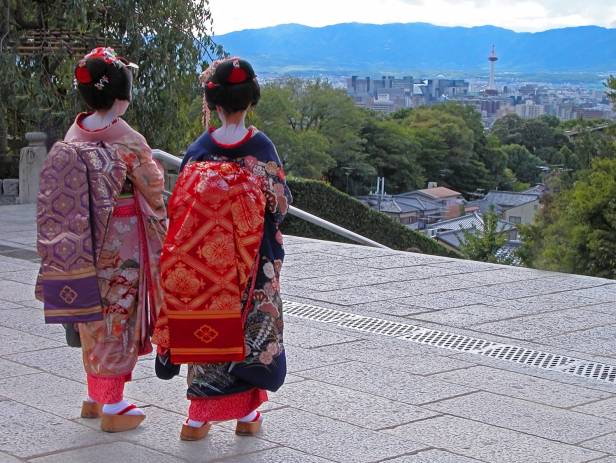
(223, 390)
(101, 223)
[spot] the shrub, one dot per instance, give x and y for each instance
(332, 205)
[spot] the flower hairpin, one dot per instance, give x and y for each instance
(101, 83)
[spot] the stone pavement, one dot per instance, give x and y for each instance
(353, 393)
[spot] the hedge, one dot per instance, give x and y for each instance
(330, 204)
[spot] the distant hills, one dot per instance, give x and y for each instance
(420, 47)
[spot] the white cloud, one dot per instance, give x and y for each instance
(519, 15)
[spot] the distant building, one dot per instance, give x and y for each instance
(386, 94)
(451, 202)
(529, 110)
(513, 207)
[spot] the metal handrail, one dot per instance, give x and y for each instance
(175, 162)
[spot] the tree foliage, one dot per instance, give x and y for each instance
(576, 230)
(483, 244)
(167, 38)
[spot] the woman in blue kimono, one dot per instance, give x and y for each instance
(234, 390)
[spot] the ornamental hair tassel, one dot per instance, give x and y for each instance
(204, 79)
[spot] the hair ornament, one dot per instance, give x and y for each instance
(101, 83)
(82, 75)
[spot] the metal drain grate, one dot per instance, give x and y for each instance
(450, 341)
(318, 314)
(457, 342)
(530, 357)
(598, 371)
(378, 326)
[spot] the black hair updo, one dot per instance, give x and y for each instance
(233, 86)
(100, 83)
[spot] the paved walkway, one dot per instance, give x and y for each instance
(354, 393)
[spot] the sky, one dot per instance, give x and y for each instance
(518, 15)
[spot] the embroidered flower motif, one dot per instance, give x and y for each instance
(271, 168)
(266, 358)
(268, 270)
(225, 301)
(270, 309)
(218, 251)
(183, 281)
(82, 74)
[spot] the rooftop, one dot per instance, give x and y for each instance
(393, 356)
(439, 192)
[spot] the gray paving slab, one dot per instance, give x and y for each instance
(536, 327)
(294, 273)
(298, 334)
(605, 460)
(450, 299)
(9, 369)
(528, 417)
(322, 437)
(490, 443)
(169, 395)
(67, 362)
(523, 386)
(14, 341)
(398, 354)
(433, 456)
(600, 340)
(468, 315)
(160, 431)
(350, 406)
(6, 458)
(385, 382)
(15, 292)
(44, 391)
(307, 258)
(277, 455)
(518, 289)
(605, 307)
(32, 321)
(401, 260)
(605, 444)
(602, 293)
(7, 305)
(605, 408)
(494, 276)
(21, 276)
(11, 264)
(35, 432)
(104, 453)
(300, 359)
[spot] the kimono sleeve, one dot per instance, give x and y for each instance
(67, 281)
(277, 192)
(146, 175)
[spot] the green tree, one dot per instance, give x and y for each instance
(167, 38)
(447, 147)
(317, 130)
(576, 230)
(524, 165)
(484, 242)
(393, 152)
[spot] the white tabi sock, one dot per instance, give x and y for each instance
(250, 417)
(194, 423)
(114, 409)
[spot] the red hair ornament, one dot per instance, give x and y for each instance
(82, 74)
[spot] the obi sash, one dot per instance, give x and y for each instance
(209, 261)
(78, 189)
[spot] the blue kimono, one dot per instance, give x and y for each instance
(265, 364)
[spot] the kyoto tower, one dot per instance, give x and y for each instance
(491, 90)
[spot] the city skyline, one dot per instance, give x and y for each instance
(517, 15)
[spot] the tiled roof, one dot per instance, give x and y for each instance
(440, 192)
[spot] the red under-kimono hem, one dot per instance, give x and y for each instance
(228, 407)
(107, 390)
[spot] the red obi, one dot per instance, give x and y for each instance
(209, 261)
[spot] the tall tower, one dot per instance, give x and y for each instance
(491, 90)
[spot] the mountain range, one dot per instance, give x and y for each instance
(420, 47)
